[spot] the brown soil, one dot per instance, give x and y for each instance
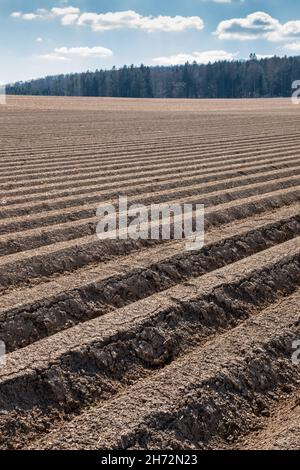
(141, 344)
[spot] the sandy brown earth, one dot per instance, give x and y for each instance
(142, 344)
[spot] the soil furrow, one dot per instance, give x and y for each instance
(206, 400)
(125, 344)
(28, 323)
(68, 256)
(213, 197)
(161, 164)
(133, 188)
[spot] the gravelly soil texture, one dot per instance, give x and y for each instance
(142, 344)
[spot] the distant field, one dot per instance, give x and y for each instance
(137, 344)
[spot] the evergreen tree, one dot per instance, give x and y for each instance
(255, 78)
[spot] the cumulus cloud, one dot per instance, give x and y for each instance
(65, 11)
(40, 13)
(68, 15)
(116, 20)
(30, 16)
(68, 53)
(293, 46)
(53, 56)
(287, 31)
(254, 26)
(200, 57)
(258, 25)
(131, 19)
(264, 56)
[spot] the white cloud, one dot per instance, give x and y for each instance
(65, 11)
(68, 15)
(69, 19)
(131, 19)
(293, 46)
(200, 57)
(30, 16)
(53, 56)
(254, 26)
(287, 31)
(116, 20)
(41, 13)
(39, 39)
(68, 53)
(258, 25)
(264, 56)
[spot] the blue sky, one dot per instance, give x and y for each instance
(39, 38)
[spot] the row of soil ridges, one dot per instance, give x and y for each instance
(141, 344)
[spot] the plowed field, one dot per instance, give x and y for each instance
(142, 344)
